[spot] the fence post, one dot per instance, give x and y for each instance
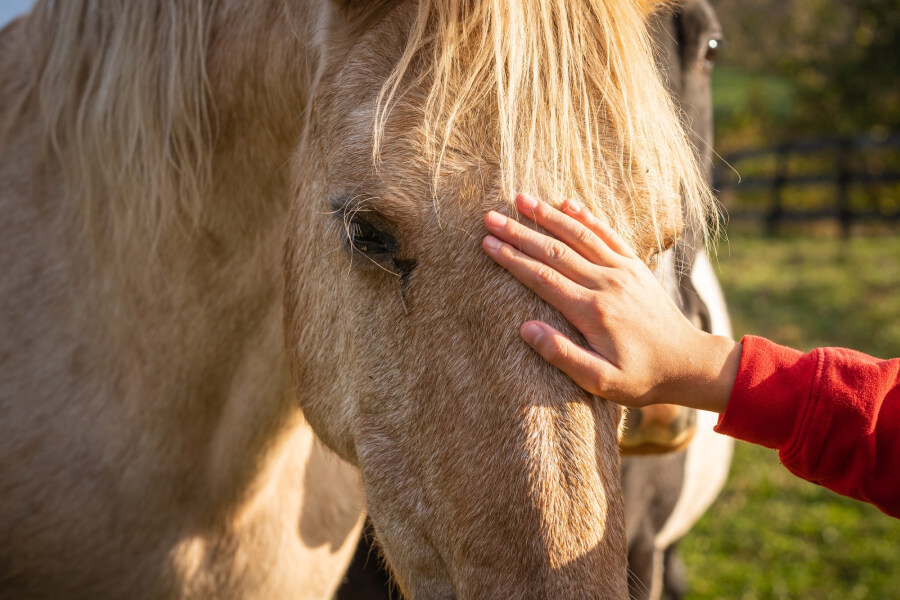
(845, 214)
(776, 211)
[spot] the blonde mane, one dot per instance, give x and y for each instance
(123, 96)
(575, 106)
(567, 90)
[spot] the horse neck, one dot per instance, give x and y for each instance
(182, 322)
(224, 273)
(143, 375)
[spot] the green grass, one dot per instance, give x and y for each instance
(771, 535)
(808, 292)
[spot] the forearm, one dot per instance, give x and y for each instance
(833, 414)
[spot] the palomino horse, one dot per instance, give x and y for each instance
(163, 368)
(664, 493)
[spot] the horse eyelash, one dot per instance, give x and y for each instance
(353, 229)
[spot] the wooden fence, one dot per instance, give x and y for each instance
(853, 179)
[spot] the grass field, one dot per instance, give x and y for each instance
(771, 535)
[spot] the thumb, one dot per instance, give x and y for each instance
(589, 370)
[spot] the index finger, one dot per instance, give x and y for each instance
(604, 231)
(560, 292)
(568, 230)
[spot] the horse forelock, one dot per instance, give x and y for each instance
(568, 95)
(574, 105)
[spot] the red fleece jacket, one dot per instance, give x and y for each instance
(833, 415)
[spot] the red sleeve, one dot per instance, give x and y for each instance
(833, 415)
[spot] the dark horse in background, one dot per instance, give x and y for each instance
(664, 493)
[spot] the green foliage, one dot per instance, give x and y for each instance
(771, 535)
(748, 107)
(806, 67)
(845, 66)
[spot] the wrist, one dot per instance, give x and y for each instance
(699, 372)
(720, 357)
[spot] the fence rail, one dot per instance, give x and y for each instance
(842, 163)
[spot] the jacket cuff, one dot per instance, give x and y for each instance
(771, 392)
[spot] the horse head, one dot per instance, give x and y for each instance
(487, 473)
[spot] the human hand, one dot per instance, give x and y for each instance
(642, 350)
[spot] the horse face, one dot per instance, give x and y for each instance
(487, 472)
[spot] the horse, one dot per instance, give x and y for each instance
(244, 301)
(664, 494)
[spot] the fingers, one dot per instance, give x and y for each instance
(588, 370)
(540, 278)
(545, 249)
(598, 227)
(556, 222)
(571, 231)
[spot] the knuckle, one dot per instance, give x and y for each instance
(600, 383)
(555, 251)
(596, 306)
(614, 282)
(505, 252)
(544, 275)
(583, 235)
(555, 351)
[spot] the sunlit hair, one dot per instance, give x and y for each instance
(575, 106)
(123, 94)
(565, 92)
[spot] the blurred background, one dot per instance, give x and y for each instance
(807, 116)
(807, 112)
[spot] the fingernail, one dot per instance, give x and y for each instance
(491, 243)
(532, 333)
(496, 219)
(527, 202)
(572, 206)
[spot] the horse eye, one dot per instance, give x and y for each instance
(712, 49)
(368, 239)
